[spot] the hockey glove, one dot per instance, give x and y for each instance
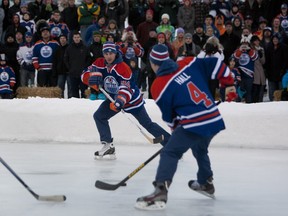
(230, 93)
(119, 103)
(95, 80)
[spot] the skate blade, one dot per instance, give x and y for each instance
(212, 196)
(105, 157)
(157, 205)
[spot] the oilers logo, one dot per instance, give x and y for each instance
(111, 85)
(55, 31)
(4, 76)
(244, 59)
(130, 53)
(46, 51)
(29, 55)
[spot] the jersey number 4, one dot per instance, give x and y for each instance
(198, 96)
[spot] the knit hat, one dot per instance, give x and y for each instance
(28, 34)
(188, 35)
(180, 30)
(109, 47)
(254, 38)
(165, 15)
(159, 54)
(96, 33)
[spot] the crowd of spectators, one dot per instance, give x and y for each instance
(56, 40)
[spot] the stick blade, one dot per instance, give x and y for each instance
(106, 186)
(55, 198)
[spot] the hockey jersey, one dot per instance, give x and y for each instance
(7, 79)
(184, 98)
(43, 54)
(117, 79)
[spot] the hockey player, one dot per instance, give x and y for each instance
(7, 79)
(116, 78)
(181, 91)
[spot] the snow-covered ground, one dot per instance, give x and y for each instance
(50, 144)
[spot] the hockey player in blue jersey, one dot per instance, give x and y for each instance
(115, 76)
(181, 91)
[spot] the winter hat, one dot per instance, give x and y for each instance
(44, 28)
(165, 15)
(96, 33)
(188, 35)
(109, 47)
(28, 34)
(254, 38)
(277, 35)
(284, 6)
(159, 54)
(180, 30)
(228, 22)
(267, 29)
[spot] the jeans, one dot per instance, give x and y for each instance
(247, 85)
(272, 87)
(181, 140)
(76, 86)
(61, 81)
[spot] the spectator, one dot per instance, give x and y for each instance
(24, 57)
(88, 13)
(137, 12)
(266, 40)
(6, 84)
(237, 26)
(169, 7)
(144, 28)
(15, 26)
(123, 16)
(48, 10)
(251, 8)
(77, 58)
(135, 70)
(262, 24)
(129, 46)
(246, 56)
(249, 23)
(276, 28)
(276, 64)
(37, 10)
(100, 25)
(229, 41)
(112, 28)
(5, 6)
(113, 10)
(60, 71)
(209, 23)
(199, 37)
(19, 38)
(2, 17)
(219, 24)
(23, 10)
(189, 48)
(166, 25)
(235, 12)
(151, 6)
(221, 7)
(57, 27)
(43, 58)
(13, 10)
(28, 23)
(201, 11)
(212, 48)
(283, 17)
(179, 41)
(186, 17)
(70, 17)
(10, 49)
(259, 82)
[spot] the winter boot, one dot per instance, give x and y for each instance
(205, 189)
(108, 150)
(155, 201)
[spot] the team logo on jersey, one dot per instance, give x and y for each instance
(56, 31)
(111, 85)
(284, 24)
(4, 76)
(46, 51)
(130, 53)
(29, 55)
(244, 59)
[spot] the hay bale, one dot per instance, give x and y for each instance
(277, 95)
(87, 93)
(45, 92)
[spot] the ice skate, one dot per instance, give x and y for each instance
(205, 189)
(107, 152)
(155, 201)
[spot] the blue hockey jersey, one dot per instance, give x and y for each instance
(117, 79)
(184, 98)
(7, 79)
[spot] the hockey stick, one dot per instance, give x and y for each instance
(106, 186)
(151, 140)
(55, 198)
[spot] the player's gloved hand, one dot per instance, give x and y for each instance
(119, 103)
(95, 80)
(230, 93)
